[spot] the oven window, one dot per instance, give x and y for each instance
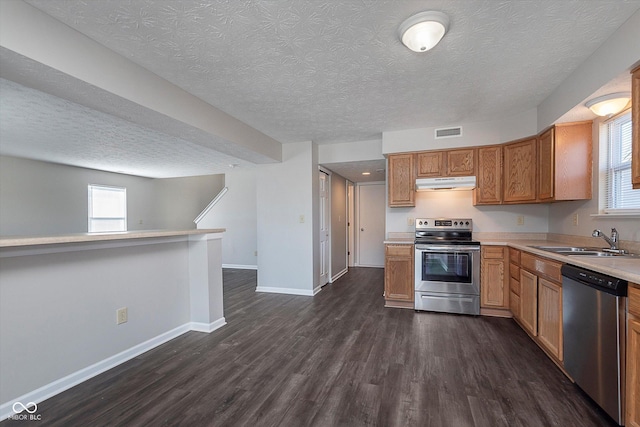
(446, 267)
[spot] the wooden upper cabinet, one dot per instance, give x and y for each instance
(546, 165)
(519, 180)
(635, 138)
(488, 189)
(431, 164)
(461, 162)
(401, 180)
(565, 162)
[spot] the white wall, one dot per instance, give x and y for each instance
(237, 213)
(338, 224)
(473, 134)
(70, 318)
(459, 204)
(616, 55)
(350, 151)
(286, 261)
(40, 198)
(178, 201)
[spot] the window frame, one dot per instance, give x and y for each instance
(609, 167)
(91, 219)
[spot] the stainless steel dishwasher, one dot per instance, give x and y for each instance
(594, 329)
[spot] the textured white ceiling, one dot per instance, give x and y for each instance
(44, 127)
(335, 70)
(353, 170)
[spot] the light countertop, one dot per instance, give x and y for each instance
(17, 241)
(627, 268)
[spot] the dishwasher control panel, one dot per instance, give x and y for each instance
(597, 280)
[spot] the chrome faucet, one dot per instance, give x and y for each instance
(613, 241)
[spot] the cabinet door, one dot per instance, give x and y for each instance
(461, 162)
(635, 138)
(633, 372)
(494, 289)
(529, 301)
(489, 180)
(520, 160)
(550, 316)
(402, 180)
(398, 272)
(514, 305)
(431, 164)
(546, 165)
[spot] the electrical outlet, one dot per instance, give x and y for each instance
(255, 253)
(122, 315)
(140, 222)
(520, 220)
(410, 221)
(575, 219)
(301, 219)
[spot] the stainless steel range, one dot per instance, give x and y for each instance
(447, 266)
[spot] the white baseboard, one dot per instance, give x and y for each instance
(339, 275)
(240, 266)
(71, 380)
(289, 291)
(208, 327)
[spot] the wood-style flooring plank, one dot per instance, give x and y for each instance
(337, 359)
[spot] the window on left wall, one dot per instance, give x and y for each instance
(107, 209)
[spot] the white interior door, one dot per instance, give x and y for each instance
(371, 211)
(325, 216)
(351, 224)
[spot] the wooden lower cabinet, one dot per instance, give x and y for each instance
(550, 316)
(529, 302)
(494, 281)
(633, 357)
(398, 276)
(541, 302)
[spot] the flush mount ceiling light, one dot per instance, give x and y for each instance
(608, 105)
(423, 30)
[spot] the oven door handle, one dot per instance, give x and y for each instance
(457, 248)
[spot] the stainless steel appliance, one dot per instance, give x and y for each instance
(594, 329)
(447, 266)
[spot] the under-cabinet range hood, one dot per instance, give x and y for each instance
(449, 183)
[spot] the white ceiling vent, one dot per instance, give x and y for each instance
(449, 132)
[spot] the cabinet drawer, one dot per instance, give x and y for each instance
(543, 267)
(493, 252)
(634, 299)
(514, 271)
(514, 286)
(399, 250)
(514, 256)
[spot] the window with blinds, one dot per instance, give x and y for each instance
(620, 196)
(107, 209)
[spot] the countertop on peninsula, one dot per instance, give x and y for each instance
(18, 241)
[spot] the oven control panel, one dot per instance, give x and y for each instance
(444, 224)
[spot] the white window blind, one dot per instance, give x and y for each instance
(107, 209)
(620, 196)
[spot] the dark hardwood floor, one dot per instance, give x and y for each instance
(337, 359)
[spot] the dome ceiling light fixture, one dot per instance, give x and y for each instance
(608, 105)
(423, 30)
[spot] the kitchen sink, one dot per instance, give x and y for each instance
(563, 249)
(581, 251)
